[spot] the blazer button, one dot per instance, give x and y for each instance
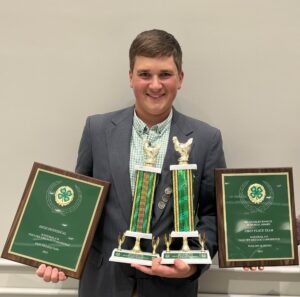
(168, 191)
(161, 205)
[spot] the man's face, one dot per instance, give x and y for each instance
(155, 82)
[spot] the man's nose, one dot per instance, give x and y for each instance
(155, 82)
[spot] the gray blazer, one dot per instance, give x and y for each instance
(104, 154)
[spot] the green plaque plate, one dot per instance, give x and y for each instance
(256, 217)
(56, 219)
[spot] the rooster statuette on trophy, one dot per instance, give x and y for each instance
(151, 153)
(183, 149)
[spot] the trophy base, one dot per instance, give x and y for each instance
(138, 234)
(191, 257)
(184, 234)
(129, 257)
(183, 167)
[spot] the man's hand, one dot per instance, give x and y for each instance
(50, 274)
(180, 269)
(253, 268)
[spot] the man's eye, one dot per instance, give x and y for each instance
(165, 75)
(144, 74)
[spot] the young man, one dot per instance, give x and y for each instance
(111, 146)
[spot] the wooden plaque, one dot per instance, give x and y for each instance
(256, 217)
(56, 219)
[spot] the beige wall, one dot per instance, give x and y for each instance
(61, 60)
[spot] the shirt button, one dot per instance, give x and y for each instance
(165, 198)
(161, 205)
(168, 191)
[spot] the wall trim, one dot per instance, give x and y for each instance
(37, 292)
(272, 269)
(18, 280)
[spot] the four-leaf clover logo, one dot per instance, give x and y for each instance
(64, 195)
(256, 193)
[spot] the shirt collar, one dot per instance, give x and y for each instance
(159, 128)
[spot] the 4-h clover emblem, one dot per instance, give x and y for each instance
(64, 195)
(63, 199)
(256, 193)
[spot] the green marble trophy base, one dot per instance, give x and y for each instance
(129, 257)
(191, 257)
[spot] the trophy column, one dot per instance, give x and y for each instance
(141, 213)
(184, 225)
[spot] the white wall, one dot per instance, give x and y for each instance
(61, 60)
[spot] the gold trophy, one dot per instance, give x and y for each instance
(184, 225)
(141, 213)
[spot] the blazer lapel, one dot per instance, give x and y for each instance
(118, 138)
(183, 132)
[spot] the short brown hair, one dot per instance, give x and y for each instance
(155, 43)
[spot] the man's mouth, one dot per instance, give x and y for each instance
(155, 96)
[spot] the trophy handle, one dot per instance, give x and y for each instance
(155, 242)
(121, 239)
(168, 241)
(202, 240)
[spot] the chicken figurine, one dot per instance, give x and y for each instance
(183, 149)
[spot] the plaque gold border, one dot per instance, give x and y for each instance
(35, 262)
(224, 261)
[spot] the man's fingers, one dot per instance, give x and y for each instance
(54, 275)
(62, 276)
(47, 274)
(50, 274)
(181, 266)
(161, 270)
(41, 270)
(180, 269)
(142, 268)
(253, 268)
(156, 264)
(184, 269)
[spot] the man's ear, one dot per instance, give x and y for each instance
(130, 78)
(181, 76)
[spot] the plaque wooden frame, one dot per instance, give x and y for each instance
(96, 206)
(224, 233)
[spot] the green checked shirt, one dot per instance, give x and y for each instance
(157, 134)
